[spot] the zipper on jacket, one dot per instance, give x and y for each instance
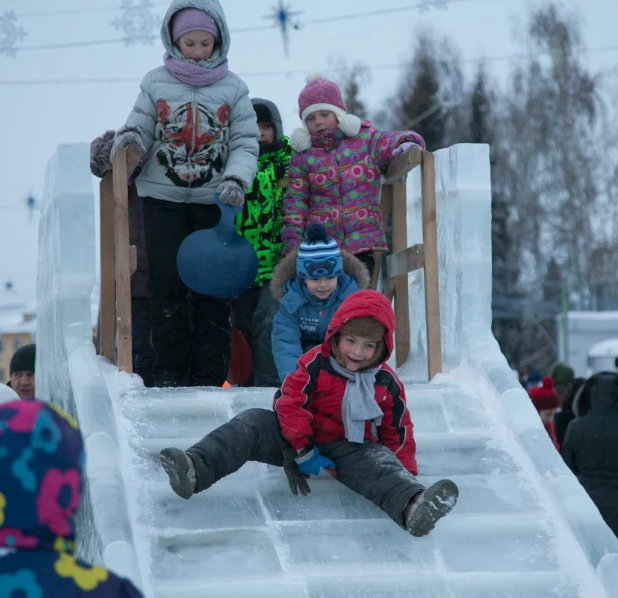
(193, 142)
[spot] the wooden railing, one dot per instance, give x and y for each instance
(118, 258)
(406, 259)
(118, 262)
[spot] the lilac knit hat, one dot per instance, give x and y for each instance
(193, 19)
(322, 94)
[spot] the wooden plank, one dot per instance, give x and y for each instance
(386, 208)
(432, 285)
(378, 257)
(400, 243)
(402, 165)
(133, 159)
(133, 258)
(107, 303)
(123, 262)
(409, 260)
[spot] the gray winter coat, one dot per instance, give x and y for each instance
(195, 137)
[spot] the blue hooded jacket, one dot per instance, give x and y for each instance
(302, 319)
(41, 477)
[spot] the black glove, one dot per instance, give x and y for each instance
(296, 479)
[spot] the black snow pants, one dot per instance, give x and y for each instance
(190, 333)
(370, 469)
(143, 355)
(253, 314)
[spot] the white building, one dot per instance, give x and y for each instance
(585, 330)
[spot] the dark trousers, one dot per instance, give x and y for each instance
(253, 313)
(370, 469)
(369, 259)
(143, 354)
(190, 333)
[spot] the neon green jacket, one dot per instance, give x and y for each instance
(261, 220)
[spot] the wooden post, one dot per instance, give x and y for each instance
(133, 259)
(432, 288)
(123, 262)
(386, 208)
(107, 303)
(400, 243)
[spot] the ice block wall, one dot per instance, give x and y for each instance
(67, 371)
(463, 203)
(463, 198)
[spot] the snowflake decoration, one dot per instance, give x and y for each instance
(136, 22)
(429, 4)
(10, 34)
(8, 285)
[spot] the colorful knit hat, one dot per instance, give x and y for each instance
(193, 19)
(318, 255)
(322, 94)
(544, 397)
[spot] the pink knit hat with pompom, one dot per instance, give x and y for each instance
(322, 94)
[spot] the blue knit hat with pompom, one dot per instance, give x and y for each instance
(318, 254)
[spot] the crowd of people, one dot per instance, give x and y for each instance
(204, 141)
(581, 418)
(310, 207)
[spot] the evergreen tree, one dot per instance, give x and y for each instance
(430, 97)
(351, 80)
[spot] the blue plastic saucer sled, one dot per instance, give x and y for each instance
(218, 261)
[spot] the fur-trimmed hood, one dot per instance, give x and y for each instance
(210, 7)
(286, 270)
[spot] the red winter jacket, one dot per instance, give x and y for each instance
(310, 400)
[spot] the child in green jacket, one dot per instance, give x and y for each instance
(261, 223)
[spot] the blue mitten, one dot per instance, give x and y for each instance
(313, 463)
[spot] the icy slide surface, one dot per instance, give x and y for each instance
(523, 528)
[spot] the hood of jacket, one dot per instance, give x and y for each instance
(215, 10)
(286, 271)
(603, 393)
(42, 463)
(362, 304)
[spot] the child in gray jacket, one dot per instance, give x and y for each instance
(197, 132)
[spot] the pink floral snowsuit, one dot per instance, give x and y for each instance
(337, 182)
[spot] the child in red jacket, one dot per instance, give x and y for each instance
(342, 411)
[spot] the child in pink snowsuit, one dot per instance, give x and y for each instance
(334, 175)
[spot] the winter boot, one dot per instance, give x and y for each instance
(181, 471)
(421, 515)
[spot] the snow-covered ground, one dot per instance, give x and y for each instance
(523, 527)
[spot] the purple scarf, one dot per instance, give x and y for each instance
(194, 74)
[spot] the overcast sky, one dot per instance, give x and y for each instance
(36, 118)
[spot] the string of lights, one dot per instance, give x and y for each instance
(287, 72)
(300, 25)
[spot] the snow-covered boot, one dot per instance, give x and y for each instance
(421, 516)
(181, 471)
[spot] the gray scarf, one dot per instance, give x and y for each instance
(359, 403)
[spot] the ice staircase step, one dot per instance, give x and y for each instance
(273, 542)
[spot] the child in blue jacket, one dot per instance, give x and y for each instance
(310, 284)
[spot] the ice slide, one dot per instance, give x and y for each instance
(524, 527)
